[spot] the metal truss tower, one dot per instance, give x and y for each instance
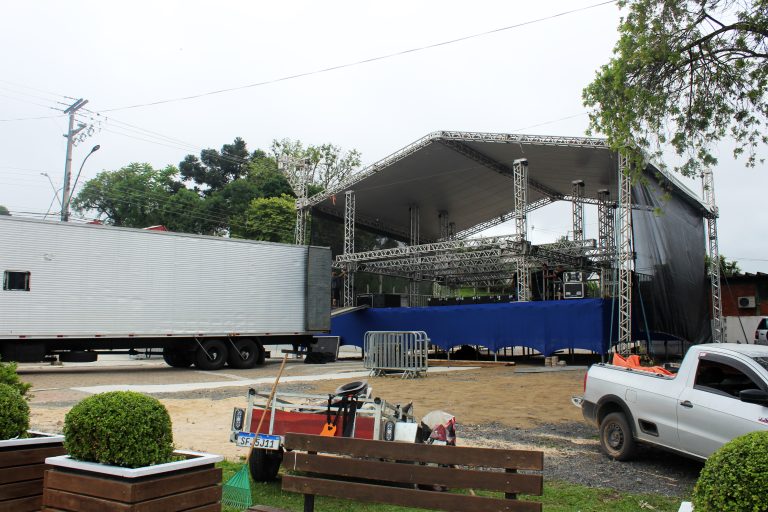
(578, 210)
(296, 171)
(349, 247)
(520, 177)
(445, 225)
(606, 241)
(415, 278)
(708, 192)
(624, 255)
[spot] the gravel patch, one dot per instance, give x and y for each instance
(572, 454)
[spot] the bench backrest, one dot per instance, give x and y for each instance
(371, 471)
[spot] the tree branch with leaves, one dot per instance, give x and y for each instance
(685, 74)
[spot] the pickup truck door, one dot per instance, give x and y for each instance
(709, 412)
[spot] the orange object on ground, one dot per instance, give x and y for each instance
(633, 362)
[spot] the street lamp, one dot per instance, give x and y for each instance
(55, 194)
(65, 215)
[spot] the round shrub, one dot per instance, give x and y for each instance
(119, 428)
(735, 477)
(14, 413)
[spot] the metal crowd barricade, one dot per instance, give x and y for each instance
(396, 351)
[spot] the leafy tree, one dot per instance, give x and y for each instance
(329, 165)
(4, 210)
(727, 268)
(215, 169)
(139, 196)
(269, 218)
(686, 73)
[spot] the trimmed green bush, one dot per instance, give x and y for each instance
(14, 413)
(9, 376)
(735, 477)
(119, 428)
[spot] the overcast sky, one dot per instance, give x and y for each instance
(525, 79)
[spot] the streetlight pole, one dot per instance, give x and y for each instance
(55, 194)
(93, 150)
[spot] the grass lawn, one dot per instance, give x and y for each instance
(558, 497)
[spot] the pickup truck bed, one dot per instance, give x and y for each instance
(720, 392)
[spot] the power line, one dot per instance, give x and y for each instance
(359, 62)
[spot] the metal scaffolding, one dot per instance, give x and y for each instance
(445, 225)
(349, 247)
(520, 174)
(606, 241)
(415, 277)
(578, 210)
(708, 192)
(624, 254)
(296, 171)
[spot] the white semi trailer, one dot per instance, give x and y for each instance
(74, 290)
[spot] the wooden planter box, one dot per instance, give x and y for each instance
(193, 485)
(22, 464)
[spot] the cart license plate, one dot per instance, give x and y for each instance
(267, 442)
(244, 439)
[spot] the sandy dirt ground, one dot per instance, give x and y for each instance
(506, 396)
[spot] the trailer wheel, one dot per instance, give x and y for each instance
(246, 355)
(265, 464)
(176, 358)
(616, 437)
(212, 355)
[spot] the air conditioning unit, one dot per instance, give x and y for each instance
(747, 301)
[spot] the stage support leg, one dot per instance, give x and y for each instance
(413, 288)
(520, 179)
(578, 211)
(718, 324)
(624, 254)
(349, 247)
(606, 240)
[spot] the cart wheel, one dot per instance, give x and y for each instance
(264, 464)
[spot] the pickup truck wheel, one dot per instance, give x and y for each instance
(616, 437)
(246, 355)
(176, 358)
(264, 464)
(213, 357)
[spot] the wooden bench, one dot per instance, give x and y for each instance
(395, 473)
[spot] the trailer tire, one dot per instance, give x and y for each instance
(616, 437)
(265, 464)
(212, 355)
(246, 355)
(176, 358)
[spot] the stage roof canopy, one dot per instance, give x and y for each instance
(468, 175)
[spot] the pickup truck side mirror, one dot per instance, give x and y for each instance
(754, 396)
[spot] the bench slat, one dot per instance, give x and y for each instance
(404, 497)
(437, 454)
(414, 474)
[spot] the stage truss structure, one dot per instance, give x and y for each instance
(459, 259)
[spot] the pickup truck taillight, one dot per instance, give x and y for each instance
(585, 383)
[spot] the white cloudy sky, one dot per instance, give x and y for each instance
(522, 80)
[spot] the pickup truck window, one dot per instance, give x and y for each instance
(723, 377)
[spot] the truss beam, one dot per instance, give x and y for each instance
(577, 210)
(349, 247)
(624, 257)
(708, 192)
(493, 165)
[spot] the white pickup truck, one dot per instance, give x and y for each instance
(720, 392)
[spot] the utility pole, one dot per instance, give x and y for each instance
(70, 135)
